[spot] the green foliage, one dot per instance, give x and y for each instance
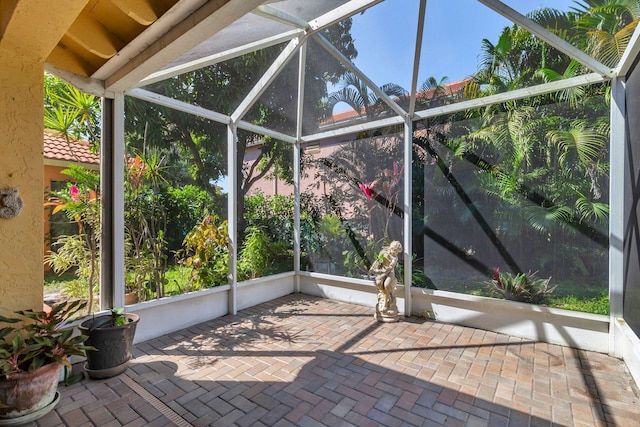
(184, 208)
(257, 254)
(116, 317)
(81, 203)
(146, 223)
(40, 338)
(70, 112)
(206, 251)
(521, 287)
(273, 215)
(596, 305)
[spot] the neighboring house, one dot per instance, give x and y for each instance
(442, 95)
(58, 155)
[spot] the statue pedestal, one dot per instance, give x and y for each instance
(386, 312)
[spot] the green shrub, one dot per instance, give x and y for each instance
(521, 287)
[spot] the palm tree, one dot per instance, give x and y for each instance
(605, 27)
(363, 100)
(433, 91)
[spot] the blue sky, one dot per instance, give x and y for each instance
(385, 36)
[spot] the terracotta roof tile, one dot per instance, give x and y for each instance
(57, 148)
(449, 88)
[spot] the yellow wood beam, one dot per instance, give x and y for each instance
(142, 11)
(32, 28)
(92, 36)
(67, 60)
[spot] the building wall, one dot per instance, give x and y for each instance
(29, 32)
(21, 167)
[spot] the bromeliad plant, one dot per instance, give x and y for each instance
(521, 287)
(39, 338)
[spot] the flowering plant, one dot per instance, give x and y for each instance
(81, 203)
(384, 192)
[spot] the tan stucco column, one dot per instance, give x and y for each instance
(30, 30)
(21, 167)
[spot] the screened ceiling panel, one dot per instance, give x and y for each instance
(280, 99)
(219, 87)
(253, 28)
(386, 56)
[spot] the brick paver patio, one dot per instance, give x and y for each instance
(305, 361)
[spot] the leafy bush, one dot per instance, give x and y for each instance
(184, 208)
(206, 251)
(257, 254)
(521, 287)
(272, 214)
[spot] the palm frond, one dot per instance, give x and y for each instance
(585, 142)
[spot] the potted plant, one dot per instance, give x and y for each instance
(34, 348)
(111, 336)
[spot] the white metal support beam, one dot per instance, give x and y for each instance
(542, 89)
(165, 101)
(617, 220)
(275, 14)
(587, 79)
(340, 13)
(242, 124)
(360, 127)
(416, 57)
(630, 54)
(355, 70)
(220, 57)
(112, 154)
(555, 41)
(232, 214)
(86, 84)
(407, 219)
(324, 21)
(296, 166)
(267, 78)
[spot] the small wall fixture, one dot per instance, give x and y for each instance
(10, 203)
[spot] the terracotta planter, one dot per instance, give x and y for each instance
(28, 392)
(130, 298)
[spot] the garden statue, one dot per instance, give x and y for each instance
(383, 270)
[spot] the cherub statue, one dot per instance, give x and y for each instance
(10, 204)
(383, 270)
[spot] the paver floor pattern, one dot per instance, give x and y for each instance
(306, 361)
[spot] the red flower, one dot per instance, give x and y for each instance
(367, 189)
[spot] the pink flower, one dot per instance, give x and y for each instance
(74, 193)
(367, 189)
(396, 171)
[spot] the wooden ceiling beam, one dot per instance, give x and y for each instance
(92, 36)
(141, 11)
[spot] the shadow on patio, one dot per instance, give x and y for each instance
(306, 361)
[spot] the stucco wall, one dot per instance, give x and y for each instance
(21, 166)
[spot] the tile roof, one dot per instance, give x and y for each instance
(450, 89)
(57, 148)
